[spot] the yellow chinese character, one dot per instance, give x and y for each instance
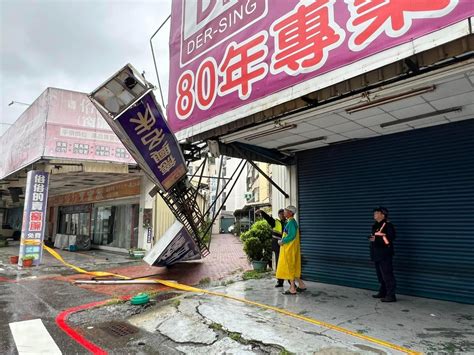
(153, 138)
(144, 122)
(161, 154)
(167, 165)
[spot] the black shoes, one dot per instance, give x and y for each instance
(384, 298)
(389, 299)
(279, 285)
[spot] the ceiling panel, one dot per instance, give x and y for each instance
(429, 121)
(270, 144)
(412, 111)
(361, 133)
(375, 120)
(267, 137)
(470, 117)
(345, 127)
(453, 101)
(292, 138)
(391, 129)
(335, 138)
(361, 114)
(449, 89)
(317, 133)
(327, 121)
(408, 102)
(466, 112)
(81, 181)
(303, 127)
(470, 76)
(305, 146)
(340, 126)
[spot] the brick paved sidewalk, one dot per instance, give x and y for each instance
(226, 258)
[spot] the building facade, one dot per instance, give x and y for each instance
(374, 108)
(96, 190)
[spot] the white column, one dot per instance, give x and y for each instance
(146, 201)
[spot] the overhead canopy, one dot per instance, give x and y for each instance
(250, 206)
(255, 153)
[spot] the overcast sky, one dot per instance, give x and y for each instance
(75, 45)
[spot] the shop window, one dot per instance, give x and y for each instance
(121, 153)
(74, 220)
(80, 148)
(61, 147)
(116, 226)
(102, 150)
(74, 223)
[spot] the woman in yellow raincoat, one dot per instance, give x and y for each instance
(289, 263)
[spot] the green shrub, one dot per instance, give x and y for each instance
(245, 235)
(262, 230)
(253, 248)
(258, 242)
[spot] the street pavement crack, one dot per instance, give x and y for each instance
(181, 343)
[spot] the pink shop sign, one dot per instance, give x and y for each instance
(228, 54)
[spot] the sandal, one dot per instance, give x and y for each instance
(301, 289)
(288, 292)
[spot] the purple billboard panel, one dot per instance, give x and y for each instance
(146, 129)
(175, 245)
(34, 216)
(229, 54)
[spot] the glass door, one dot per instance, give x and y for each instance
(103, 225)
(116, 226)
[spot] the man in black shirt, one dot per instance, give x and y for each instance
(381, 253)
(277, 230)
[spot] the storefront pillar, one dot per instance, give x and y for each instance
(145, 220)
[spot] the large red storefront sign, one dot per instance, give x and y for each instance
(229, 54)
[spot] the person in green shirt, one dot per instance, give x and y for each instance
(289, 265)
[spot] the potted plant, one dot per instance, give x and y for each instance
(258, 245)
(137, 253)
(14, 259)
(27, 260)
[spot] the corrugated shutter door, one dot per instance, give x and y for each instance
(425, 178)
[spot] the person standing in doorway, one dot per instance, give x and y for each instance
(289, 265)
(277, 224)
(381, 253)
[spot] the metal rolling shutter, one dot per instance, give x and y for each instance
(425, 178)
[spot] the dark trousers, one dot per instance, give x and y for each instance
(276, 250)
(386, 277)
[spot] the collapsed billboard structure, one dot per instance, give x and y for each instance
(127, 103)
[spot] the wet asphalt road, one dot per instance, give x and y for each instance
(43, 299)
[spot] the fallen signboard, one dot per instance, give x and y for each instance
(127, 103)
(175, 245)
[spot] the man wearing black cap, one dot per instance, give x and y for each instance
(277, 225)
(381, 253)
